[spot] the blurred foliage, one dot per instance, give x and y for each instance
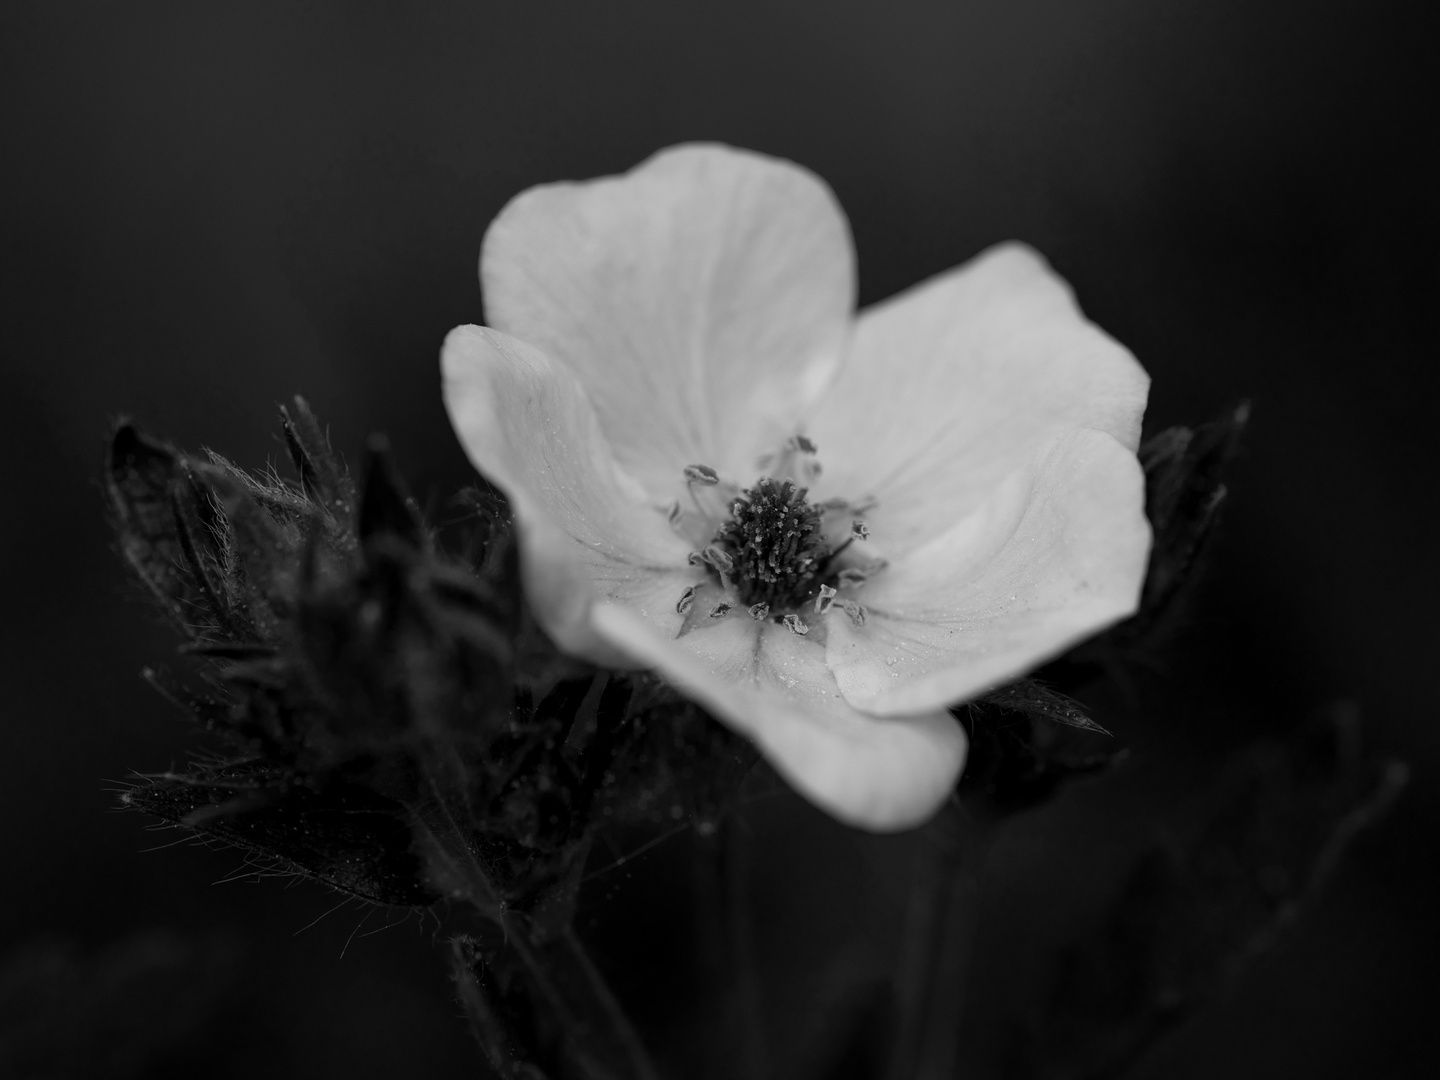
(1192, 916)
(392, 723)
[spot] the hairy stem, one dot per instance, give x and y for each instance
(596, 1037)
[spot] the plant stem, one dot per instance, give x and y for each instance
(940, 938)
(639, 1065)
(559, 974)
(722, 880)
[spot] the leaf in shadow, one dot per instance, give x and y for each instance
(343, 835)
(1184, 492)
(1026, 741)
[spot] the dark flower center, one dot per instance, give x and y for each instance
(776, 544)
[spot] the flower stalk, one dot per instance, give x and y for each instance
(722, 891)
(939, 939)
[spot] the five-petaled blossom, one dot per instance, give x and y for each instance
(672, 356)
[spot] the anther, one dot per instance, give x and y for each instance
(854, 610)
(687, 601)
(858, 575)
(859, 530)
(760, 611)
(824, 600)
(702, 475)
(720, 610)
(795, 625)
(794, 461)
(719, 558)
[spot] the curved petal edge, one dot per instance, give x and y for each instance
(1056, 555)
(881, 774)
(586, 531)
(699, 298)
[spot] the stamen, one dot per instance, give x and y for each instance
(860, 574)
(710, 495)
(854, 610)
(687, 601)
(720, 610)
(719, 558)
(795, 625)
(795, 461)
(858, 531)
(760, 611)
(824, 600)
(864, 506)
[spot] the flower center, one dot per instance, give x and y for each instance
(775, 543)
(780, 557)
(769, 549)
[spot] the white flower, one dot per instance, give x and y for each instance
(663, 340)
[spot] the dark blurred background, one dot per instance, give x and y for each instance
(208, 208)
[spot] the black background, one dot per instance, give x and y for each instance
(208, 208)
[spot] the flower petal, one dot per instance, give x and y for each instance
(586, 530)
(876, 773)
(702, 299)
(1057, 553)
(952, 385)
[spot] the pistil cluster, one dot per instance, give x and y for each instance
(776, 543)
(775, 552)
